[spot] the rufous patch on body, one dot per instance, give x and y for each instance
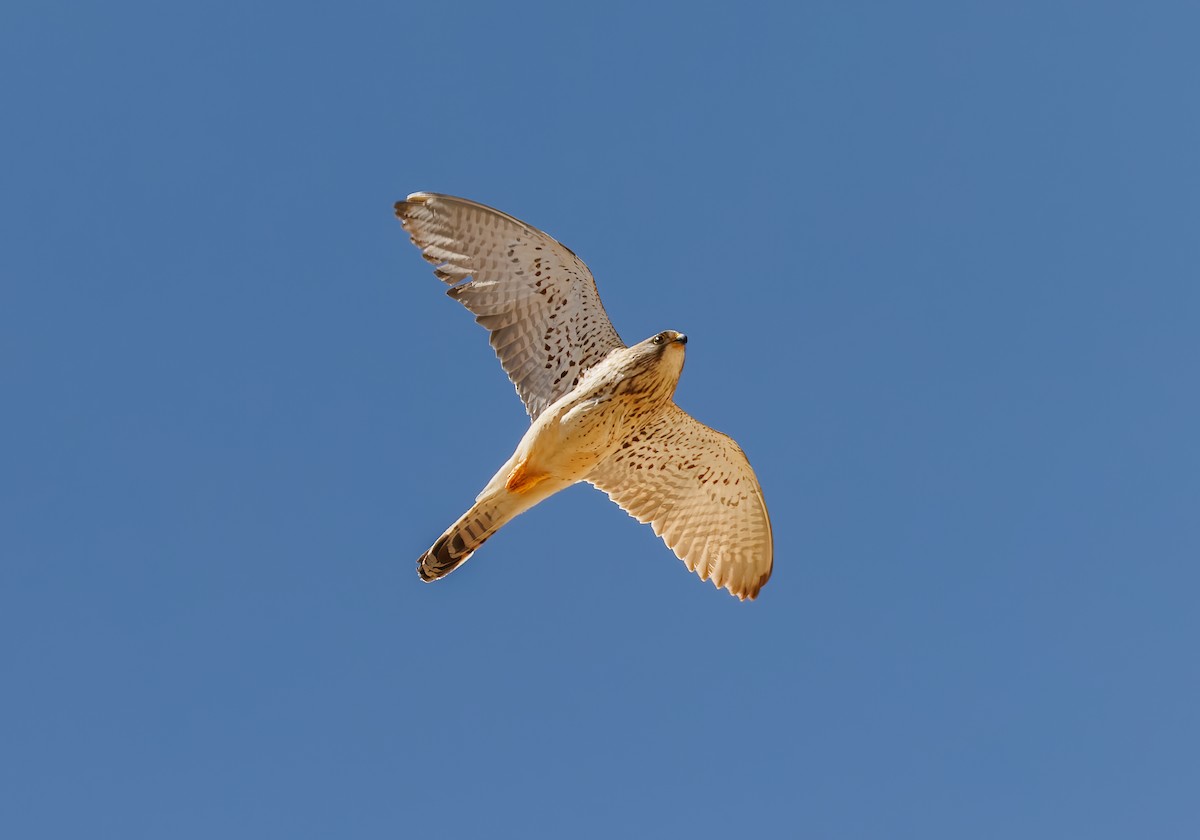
(522, 479)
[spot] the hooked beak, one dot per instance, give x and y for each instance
(681, 338)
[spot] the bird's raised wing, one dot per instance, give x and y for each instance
(534, 295)
(697, 490)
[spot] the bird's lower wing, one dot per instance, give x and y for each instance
(694, 486)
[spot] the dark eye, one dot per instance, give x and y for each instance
(658, 339)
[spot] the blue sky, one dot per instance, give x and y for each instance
(938, 267)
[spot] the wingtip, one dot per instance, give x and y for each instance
(752, 593)
(749, 592)
(402, 207)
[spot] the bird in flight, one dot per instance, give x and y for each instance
(601, 411)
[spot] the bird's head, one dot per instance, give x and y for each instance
(667, 339)
(663, 353)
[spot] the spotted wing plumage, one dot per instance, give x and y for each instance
(697, 490)
(538, 299)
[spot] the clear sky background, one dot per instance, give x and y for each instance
(939, 267)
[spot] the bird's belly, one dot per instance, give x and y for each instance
(576, 438)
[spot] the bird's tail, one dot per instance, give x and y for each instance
(455, 547)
